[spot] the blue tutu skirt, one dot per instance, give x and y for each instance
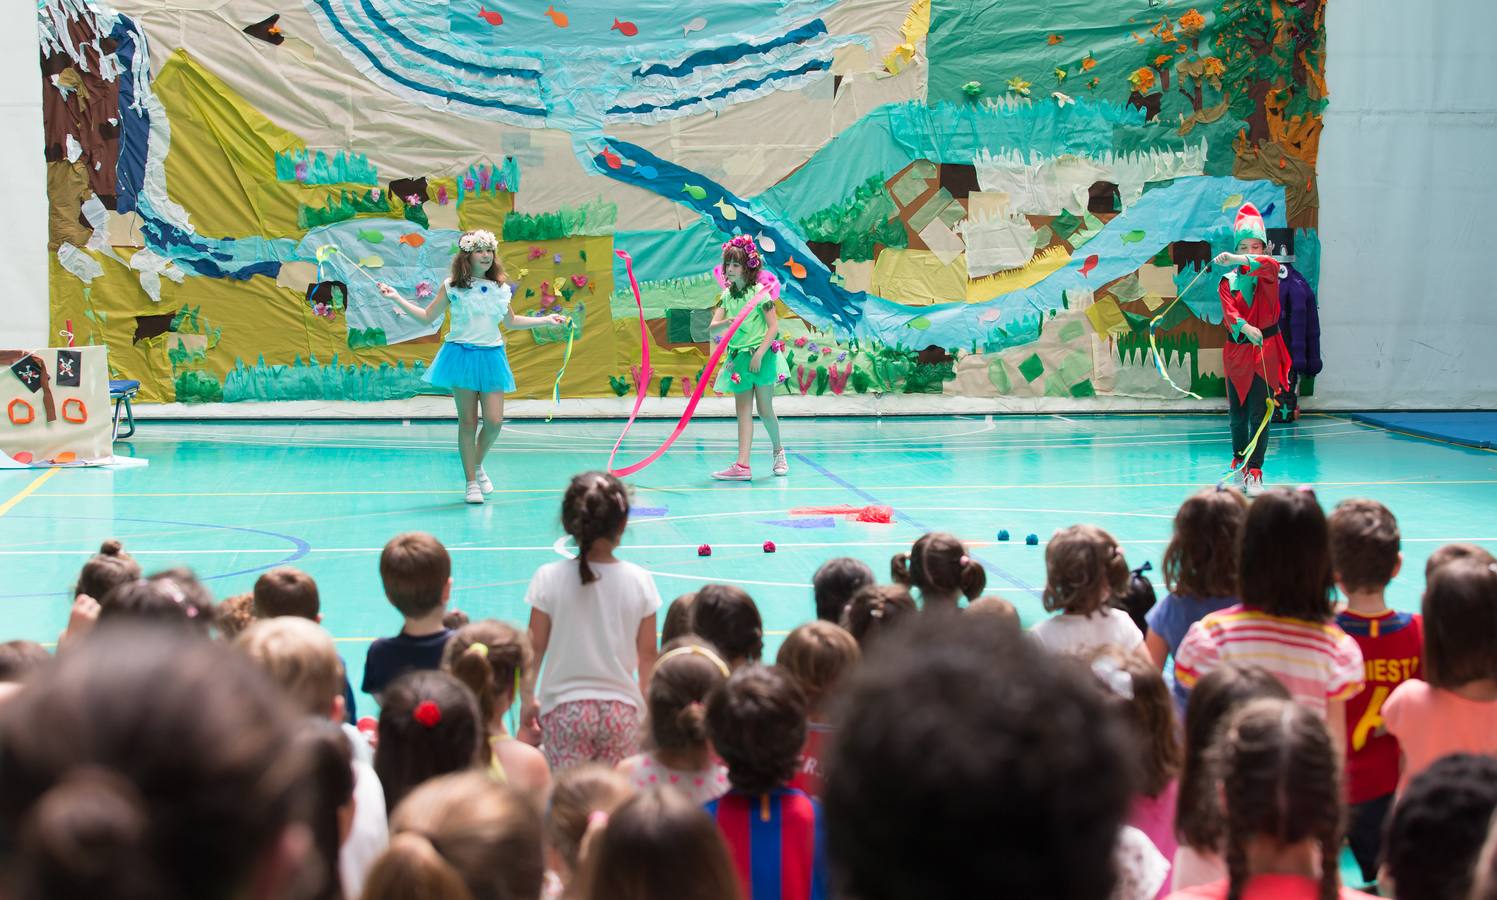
(482, 369)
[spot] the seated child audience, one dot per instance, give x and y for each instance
(1438, 827)
(818, 655)
(286, 591)
(677, 619)
(939, 568)
(834, 584)
(429, 726)
(677, 752)
(757, 721)
(578, 795)
(1084, 570)
(490, 657)
(417, 576)
(658, 845)
(875, 610)
(727, 618)
(999, 609)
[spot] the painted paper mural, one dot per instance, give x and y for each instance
(959, 198)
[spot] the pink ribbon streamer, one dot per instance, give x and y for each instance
(646, 372)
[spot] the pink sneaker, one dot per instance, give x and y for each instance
(735, 472)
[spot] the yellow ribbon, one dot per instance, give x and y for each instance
(565, 358)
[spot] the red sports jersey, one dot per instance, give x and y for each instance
(809, 778)
(1393, 651)
(776, 843)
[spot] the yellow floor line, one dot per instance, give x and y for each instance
(27, 491)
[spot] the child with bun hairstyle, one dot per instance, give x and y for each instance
(174, 597)
(490, 657)
(104, 571)
(1084, 568)
(875, 610)
(154, 765)
(461, 837)
(578, 797)
(679, 754)
(939, 568)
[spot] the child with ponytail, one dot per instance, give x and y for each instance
(490, 657)
(596, 616)
(940, 569)
(679, 754)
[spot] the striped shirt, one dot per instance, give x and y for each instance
(776, 843)
(1316, 661)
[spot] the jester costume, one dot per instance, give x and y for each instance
(1255, 372)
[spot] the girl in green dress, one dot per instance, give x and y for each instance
(754, 363)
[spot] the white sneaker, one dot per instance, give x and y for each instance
(781, 465)
(474, 493)
(484, 484)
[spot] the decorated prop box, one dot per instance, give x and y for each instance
(56, 406)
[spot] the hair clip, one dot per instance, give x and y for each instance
(964, 560)
(597, 818)
(696, 650)
(479, 648)
(427, 713)
(1112, 675)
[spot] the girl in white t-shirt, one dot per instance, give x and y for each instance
(595, 616)
(472, 361)
(1084, 569)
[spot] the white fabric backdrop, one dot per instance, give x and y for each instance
(1408, 192)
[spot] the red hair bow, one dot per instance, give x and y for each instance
(427, 713)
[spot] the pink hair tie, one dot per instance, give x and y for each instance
(965, 559)
(597, 818)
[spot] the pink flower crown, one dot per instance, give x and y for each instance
(751, 250)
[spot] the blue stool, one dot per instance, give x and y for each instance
(121, 392)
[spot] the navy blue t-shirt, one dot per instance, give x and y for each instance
(389, 658)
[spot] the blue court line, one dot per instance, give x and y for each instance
(831, 476)
(302, 547)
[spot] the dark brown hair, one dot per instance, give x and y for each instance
(876, 609)
(1460, 623)
(679, 688)
(1364, 544)
(818, 655)
(329, 790)
(461, 274)
(152, 767)
(658, 845)
(1435, 834)
(750, 274)
(1084, 568)
(576, 794)
(1281, 778)
(757, 721)
(173, 597)
(834, 584)
(939, 562)
(678, 618)
(108, 568)
(1285, 565)
(1219, 693)
(286, 591)
(1201, 559)
(18, 659)
(461, 837)
(1453, 552)
(489, 673)
(409, 751)
(1149, 710)
(727, 618)
(596, 505)
(415, 569)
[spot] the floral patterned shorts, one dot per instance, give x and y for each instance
(584, 731)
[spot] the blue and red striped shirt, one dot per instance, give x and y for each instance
(776, 843)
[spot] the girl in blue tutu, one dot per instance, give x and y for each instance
(472, 361)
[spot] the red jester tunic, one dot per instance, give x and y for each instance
(1244, 360)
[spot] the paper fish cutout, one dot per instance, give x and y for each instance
(1133, 237)
(796, 269)
(1232, 201)
(627, 29)
(489, 16)
(1091, 263)
(766, 243)
(413, 240)
(1062, 99)
(613, 160)
(696, 24)
(371, 236)
(1054, 39)
(728, 212)
(559, 18)
(919, 324)
(693, 191)
(649, 173)
(371, 262)
(1268, 210)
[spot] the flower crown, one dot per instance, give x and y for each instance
(746, 244)
(477, 240)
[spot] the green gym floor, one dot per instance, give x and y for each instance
(232, 499)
